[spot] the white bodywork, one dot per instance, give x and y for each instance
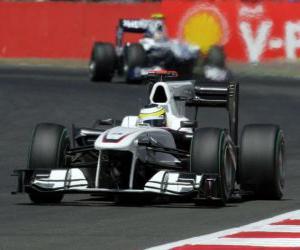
(162, 182)
(171, 184)
(126, 138)
(179, 49)
(175, 110)
(62, 179)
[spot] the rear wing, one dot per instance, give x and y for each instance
(195, 94)
(136, 26)
(220, 95)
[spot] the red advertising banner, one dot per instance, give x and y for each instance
(61, 29)
(250, 32)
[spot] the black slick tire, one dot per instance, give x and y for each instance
(47, 151)
(103, 62)
(262, 161)
(216, 57)
(135, 56)
(212, 152)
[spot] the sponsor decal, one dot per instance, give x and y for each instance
(257, 29)
(142, 24)
(203, 25)
(114, 137)
(251, 32)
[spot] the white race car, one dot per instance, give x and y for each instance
(159, 152)
(153, 51)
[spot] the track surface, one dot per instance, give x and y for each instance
(29, 96)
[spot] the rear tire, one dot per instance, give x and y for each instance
(212, 152)
(262, 161)
(216, 57)
(103, 62)
(186, 70)
(47, 151)
(135, 56)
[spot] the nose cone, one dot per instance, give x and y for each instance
(117, 138)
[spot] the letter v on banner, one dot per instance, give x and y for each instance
(255, 45)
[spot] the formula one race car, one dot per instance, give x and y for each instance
(154, 51)
(160, 152)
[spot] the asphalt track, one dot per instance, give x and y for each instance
(29, 96)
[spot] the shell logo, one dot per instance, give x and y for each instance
(204, 26)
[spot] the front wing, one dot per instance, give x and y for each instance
(164, 182)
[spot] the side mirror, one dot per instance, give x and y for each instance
(106, 122)
(145, 141)
(189, 124)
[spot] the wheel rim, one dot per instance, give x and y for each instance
(125, 67)
(228, 170)
(281, 171)
(92, 67)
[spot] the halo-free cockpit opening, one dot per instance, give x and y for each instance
(160, 95)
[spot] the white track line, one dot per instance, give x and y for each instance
(276, 228)
(214, 238)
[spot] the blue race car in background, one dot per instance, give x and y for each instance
(154, 51)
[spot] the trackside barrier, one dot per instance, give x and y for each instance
(61, 29)
(250, 32)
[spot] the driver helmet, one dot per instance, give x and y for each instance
(157, 31)
(158, 16)
(153, 115)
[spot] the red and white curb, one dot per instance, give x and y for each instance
(281, 232)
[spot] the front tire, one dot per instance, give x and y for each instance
(216, 57)
(47, 151)
(262, 161)
(212, 152)
(103, 62)
(186, 70)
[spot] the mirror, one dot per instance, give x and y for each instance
(106, 122)
(188, 124)
(145, 141)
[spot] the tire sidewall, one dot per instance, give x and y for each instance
(35, 161)
(279, 171)
(261, 169)
(134, 57)
(214, 161)
(227, 173)
(103, 61)
(61, 145)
